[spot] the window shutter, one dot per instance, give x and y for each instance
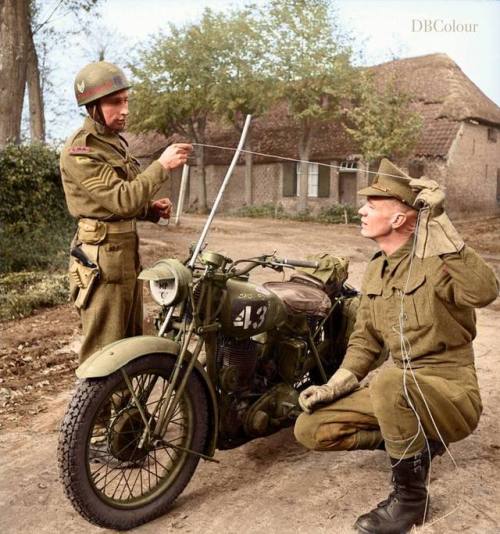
(324, 182)
(289, 180)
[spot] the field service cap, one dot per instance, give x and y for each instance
(397, 185)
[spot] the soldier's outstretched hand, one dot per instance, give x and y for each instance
(175, 155)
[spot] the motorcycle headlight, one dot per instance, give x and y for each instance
(168, 281)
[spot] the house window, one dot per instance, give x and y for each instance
(492, 135)
(318, 180)
(349, 166)
(324, 182)
(289, 179)
(312, 180)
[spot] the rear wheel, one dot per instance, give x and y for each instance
(114, 473)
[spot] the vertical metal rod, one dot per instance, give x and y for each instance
(163, 327)
(170, 405)
(221, 192)
(182, 193)
(164, 417)
(147, 430)
(318, 359)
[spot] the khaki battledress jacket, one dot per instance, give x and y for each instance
(106, 192)
(422, 311)
(427, 303)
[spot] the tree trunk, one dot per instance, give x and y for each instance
(202, 184)
(14, 30)
(304, 154)
(37, 115)
(248, 175)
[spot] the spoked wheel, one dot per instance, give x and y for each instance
(115, 472)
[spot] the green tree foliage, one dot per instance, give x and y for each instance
(310, 59)
(200, 70)
(382, 121)
(244, 87)
(35, 228)
(175, 83)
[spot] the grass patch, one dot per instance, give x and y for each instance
(22, 293)
(337, 214)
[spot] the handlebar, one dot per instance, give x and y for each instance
(298, 263)
(273, 263)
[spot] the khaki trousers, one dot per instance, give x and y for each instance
(114, 310)
(446, 400)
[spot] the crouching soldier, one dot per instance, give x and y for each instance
(418, 298)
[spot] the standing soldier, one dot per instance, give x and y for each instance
(418, 298)
(107, 193)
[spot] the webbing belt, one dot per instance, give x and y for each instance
(117, 227)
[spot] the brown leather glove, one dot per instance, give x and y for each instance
(341, 383)
(436, 234)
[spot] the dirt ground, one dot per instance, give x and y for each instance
(271, 485)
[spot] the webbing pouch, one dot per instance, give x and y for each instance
(91, 231)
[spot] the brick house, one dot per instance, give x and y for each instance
(459, 146)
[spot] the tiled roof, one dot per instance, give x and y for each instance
(440, 91)
(436, 78)
(437, 133)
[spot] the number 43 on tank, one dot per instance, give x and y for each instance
(251, 317)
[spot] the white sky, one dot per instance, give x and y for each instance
(383, 29)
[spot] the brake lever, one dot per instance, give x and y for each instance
(278, 267)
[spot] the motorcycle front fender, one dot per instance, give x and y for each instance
(116, 355)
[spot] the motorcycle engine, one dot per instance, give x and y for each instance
(237, 360)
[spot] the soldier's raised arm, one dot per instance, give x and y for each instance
(100, 179)
(466, 279)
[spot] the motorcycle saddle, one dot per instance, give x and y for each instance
(300, 298)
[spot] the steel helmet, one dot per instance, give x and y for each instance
(97, 80)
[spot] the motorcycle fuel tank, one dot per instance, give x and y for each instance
(249, 309)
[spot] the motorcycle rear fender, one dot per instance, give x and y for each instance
(116, 355)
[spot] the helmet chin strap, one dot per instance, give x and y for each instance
(95, 113)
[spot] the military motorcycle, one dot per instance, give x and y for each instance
(226, 367)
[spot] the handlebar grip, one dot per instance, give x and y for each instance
(300, 263)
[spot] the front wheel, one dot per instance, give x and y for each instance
(114, 473)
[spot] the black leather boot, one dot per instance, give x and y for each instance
(406, 505)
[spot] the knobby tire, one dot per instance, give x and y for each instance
(74, 441)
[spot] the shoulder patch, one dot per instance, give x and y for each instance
(80, 150)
